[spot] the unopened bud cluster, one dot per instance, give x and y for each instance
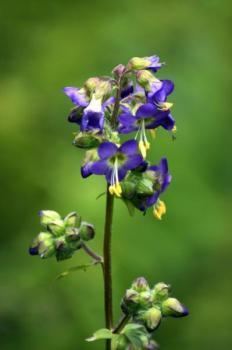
(147, 306)
(60, 237)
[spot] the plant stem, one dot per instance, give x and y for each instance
(107, 264)
(123, 321)
(92, 254)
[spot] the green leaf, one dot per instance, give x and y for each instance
(103, 333)
(136, 335)
(83, 267)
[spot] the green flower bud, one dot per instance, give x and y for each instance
(145, 78)
(86, 140)
(118, 71)
(46, 245)
(145, 187)
(140, 285)
(57, 227)
(72, 234)
(138, 63)
(72, 219)
(48, 216)
(128, 189)
(160, 292)
(103, 89)
(86, 231)
(91, 84)
(152, 318)
(172, 307)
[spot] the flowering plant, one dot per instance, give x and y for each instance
(132, 100)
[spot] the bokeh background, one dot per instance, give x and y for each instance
(47, 45)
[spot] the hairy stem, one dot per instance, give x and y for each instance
(107, 264)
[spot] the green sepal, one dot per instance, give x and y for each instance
(72, 219)
(57, 227)
(86, 140)
(48, 216)
(160, 292)
(145, 187)
(86, 231)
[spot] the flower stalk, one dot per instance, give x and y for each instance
(107, 265)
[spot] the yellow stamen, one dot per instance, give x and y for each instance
(115, 189)
(174, 129)
(165, 106)
(144, 146)
(159, 209)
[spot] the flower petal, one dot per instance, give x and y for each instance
(167, 89)
(146, 110)
(77, 97)
(152, 199)
(100, 167)
(129, 147)
(107, 150)
(133, 161)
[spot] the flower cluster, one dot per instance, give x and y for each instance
(143, 308)
(60, 237)
(147, 306)
(132, 100)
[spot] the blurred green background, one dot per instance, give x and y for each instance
(48, 45)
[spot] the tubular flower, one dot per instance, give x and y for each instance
(114, 162)
(161, 177)
(159, 97)
(147, 116)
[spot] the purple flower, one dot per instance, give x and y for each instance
(77, 96)
(114, 162)
(159, 96)
(147, 116)
(93, 115)
(161, 177)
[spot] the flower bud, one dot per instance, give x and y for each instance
(140, 285)
(151, 62)
(130, 302)
(118, 71)
(128, 189)
(72, 219)
(137, 63)
(91, 84)
(45, 245)
(72, 234)
(152, 318)
(160, 292)
(86, 231)
(146, 78)
(172, 307)
(145, 187)
(48, 216)
(57, 227)
(86, 140)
